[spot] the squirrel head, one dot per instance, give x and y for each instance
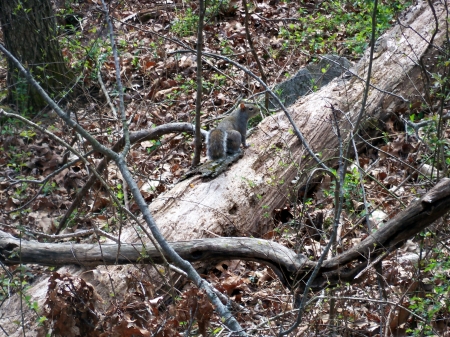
(250, 109)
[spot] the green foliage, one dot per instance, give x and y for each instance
(28, 134)
(21, 94)
(17, 160)
(20, 191)
(185, 25)
(86, 57)
(435, 303)
(49, 188)
(219, 79)
(186, 86)
(250, 183)
(9, 126)
(338, 23)
(17, 282)
(8, 286)
(434, 142)
(74, 217)
(226, 49)
(352, 188)
(120, 192)
(155, 146)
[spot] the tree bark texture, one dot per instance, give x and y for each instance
(288, 265)
(29, 30)
(240, 201)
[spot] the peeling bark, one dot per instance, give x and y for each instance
(288, 265)
(243, 198)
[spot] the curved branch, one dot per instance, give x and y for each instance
(288, 265)
(135, 137)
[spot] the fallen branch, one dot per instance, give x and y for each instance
(287, 264)
(135, 137)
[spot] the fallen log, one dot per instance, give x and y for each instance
(288, 265)
(240, 201)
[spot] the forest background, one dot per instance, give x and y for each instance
(318, 238)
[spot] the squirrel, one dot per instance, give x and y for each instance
(231, 131)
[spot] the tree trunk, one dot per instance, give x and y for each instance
(241, 201)
(287, 264)
(29, 30)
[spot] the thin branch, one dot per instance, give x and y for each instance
(363, 299)
(123, 117)
(171, 254)
(198, 100)
(65, 236)
(274, 96)
(255, 55)
(105, 92)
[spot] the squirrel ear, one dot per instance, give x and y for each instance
(242, 106)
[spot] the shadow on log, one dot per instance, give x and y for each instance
(289, 266)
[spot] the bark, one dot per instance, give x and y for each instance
(240, 201)
(29, 30)
(288, 265)
(135, 137)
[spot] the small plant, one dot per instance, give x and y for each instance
(74, 218)
(120, 192)
(17, 160)
(214, 7)
(19, 193)
(49, 188)
(186, 25)
(351, 188)
(318, 32)
(28, 134)
(226, 48)
(155, 145)
(188, 85)
(435, 303)
(219, 79)
(250, 183)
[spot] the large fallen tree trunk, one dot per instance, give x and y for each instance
(240, 201)
(288, 265)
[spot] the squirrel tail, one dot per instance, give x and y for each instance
(216, 144)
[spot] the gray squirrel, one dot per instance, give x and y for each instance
(231, 131)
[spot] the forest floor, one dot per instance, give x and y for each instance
(159, 78)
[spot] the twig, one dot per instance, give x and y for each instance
(417, 126)
(255, 55)
(371, 300)
(274, 96)
(105, 92)
(68, 235)
(198, 100)
(123, 117)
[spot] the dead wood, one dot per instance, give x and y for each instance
(135, 137)
(289, 266)
(244, 197)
